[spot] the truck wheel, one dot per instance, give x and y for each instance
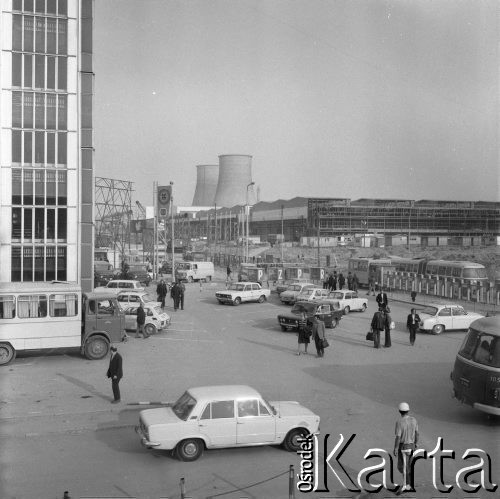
(7, 353)
(237, 301)
(189, 450)
(96, 347)
(292, 439)
(262, 299)
(347, 309)
(150, 329)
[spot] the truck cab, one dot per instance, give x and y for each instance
(103, 323)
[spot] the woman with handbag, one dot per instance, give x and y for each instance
(319, 335)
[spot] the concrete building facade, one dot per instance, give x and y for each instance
(46, 141)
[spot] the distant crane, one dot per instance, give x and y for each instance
(142, 210)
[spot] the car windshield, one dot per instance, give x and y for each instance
(429, 310)
(303, 307)
(184, 405)
(294, 287)
(158, 310)
(336, 295)
(237, 287)
(307, 292)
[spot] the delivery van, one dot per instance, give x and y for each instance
(194, 271)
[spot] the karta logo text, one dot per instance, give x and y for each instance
(471, 478)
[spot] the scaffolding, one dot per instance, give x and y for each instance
(113, 203)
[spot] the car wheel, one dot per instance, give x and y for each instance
(237, 301)
(189, 450)
(283, 328)
(363, 308)
(7, 353)
(190, 278)
(438, 329)
(221, 302)
(335, 323)
(96, 348)
(262, 299)
(347, 310)
(293, 439)
(150, 329)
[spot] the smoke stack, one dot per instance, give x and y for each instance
(235, 174)
(207, 177)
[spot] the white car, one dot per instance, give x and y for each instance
(117, 285)
(243, 291)
(289, 296)
(312, 294)
(211, 417)
(156, 318)
(133, 297)
(348, 300)
(437, 318)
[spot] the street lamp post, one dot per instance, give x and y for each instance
(248, 216)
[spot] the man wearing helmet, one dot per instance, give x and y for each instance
(405, 443)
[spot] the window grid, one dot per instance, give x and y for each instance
(39, 263)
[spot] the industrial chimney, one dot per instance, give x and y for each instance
(235, 176)
(206, 184)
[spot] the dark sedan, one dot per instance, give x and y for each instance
(303, 312)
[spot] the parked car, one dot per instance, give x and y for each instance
(243, 291)
(138, 273)
(348, 300)
(224, 416)
(312, 294)
(329, 312)
(118, 284)
(132, 298)
(156, 318)
(437, 318)
(289, 296)
(283, 286)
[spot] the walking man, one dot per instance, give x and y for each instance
(115, 372)
(378, 324)
(318, 332)
(404, 445)
(382, 299)
(371, 284)
(349, 281)
(388, 323)
(412, 323)
(355, 282)
(175, 294)
(182, 290)
(341, 281)
(161, 291)
(141, 320)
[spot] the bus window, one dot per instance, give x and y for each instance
(29, 306)
(474, 273)
(63, 305)
(7, 307)
(456, 272)
(488, 351)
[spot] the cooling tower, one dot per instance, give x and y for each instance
(206, 185)
(235, 173)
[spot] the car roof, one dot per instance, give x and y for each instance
(490, 325)
(221, 392)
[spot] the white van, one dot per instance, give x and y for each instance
(194, 271)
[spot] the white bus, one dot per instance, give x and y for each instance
(44, 315)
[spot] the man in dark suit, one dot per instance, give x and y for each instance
(161, 291)
(412, 323)
(115, 372)
(382, 299)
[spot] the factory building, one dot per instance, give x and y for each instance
(426, 222)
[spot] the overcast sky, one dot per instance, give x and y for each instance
(332, 98)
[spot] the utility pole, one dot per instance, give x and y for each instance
(282, 234)
(172, 220)
(319, 257)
